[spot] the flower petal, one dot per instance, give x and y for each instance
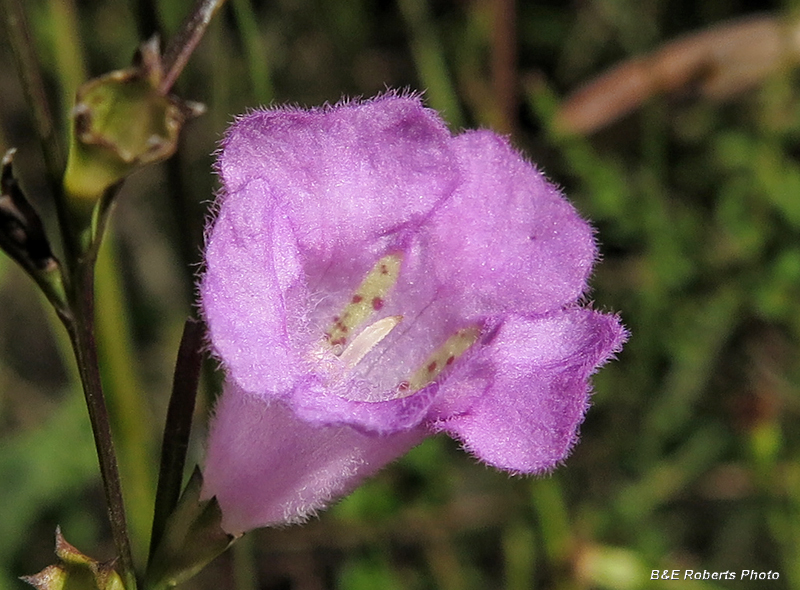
(267, 467)
(252, 262)
(323, 405)
(347, 174)
(527, 419)
(507, 239)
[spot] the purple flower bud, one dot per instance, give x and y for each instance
(370, 280)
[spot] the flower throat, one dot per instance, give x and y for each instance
(369, 298)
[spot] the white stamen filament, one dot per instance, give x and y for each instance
(368, 339)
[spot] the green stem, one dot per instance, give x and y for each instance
(81, 333)
(80, 254)
(78, 279)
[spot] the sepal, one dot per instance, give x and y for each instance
(75, 571)
(192, 538)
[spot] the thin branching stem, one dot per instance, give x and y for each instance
(79, 262)
(81, 333)
(81, 329)
(78, 278)
(183, 44)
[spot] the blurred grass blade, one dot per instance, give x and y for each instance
(519, 552)
(129, 410)
(67, 50)
(552, 516)
(255, 51)
(30, 74)
(429, 57)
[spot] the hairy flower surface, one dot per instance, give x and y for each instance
(372, 279)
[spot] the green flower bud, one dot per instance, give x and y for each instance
(75, 571)
(121, 121)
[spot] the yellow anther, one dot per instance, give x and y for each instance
(439, 360)
(368, 298)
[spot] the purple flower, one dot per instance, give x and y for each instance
(370, 280)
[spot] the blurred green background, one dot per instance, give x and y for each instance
(689, 457)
